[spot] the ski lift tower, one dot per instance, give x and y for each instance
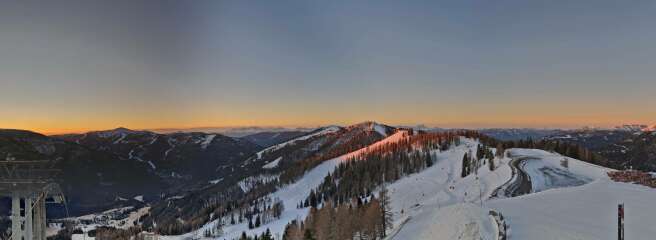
(29, 183)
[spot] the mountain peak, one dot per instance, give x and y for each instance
(373, 126)
(369, 124)
(122, 129)
(116, 132)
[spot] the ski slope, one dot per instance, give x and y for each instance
(576, 201)
(457, 221)
(439, 204)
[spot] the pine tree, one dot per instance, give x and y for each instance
(385, 211)
(313, 199)
(257, 221)
(266, 235)
(429, 161)
(465, 166)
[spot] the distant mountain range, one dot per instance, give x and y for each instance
(233, 131)
(625, 148)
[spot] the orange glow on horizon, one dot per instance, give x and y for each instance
(79, 127)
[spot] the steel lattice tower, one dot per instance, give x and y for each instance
(29, 182)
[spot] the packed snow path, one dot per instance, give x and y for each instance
(519, 184)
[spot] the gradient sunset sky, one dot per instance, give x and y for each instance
(71, 66)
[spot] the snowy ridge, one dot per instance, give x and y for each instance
(396, 137)
(324, 131)
(291, 195)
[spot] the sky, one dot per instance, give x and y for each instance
(72, 66)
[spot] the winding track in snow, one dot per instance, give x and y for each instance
(520, 182)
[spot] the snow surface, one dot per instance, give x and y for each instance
(152, 165)
(206, 142)
(458, 221)
(380, 129)
(272, 164)
(215, 181)
(82, 237)
(123, 135)
(102, 219)
(584, 212)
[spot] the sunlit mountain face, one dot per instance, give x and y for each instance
(329, 120)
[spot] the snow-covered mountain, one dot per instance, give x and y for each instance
(91, 179)
(464, 190)
(177, 157)
(438, 203)
(324, 141)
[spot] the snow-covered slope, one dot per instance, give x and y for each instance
(438, 204)
(458, 221)
(562, 211)
(291, 195)
(272, 164)
(584, 212)
(323, 131)
(418, 200)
